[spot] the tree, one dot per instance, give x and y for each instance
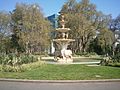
(84, 21)
(16, 23)
(114, 26)
(30, 28)
(105, 41)
(4, 31)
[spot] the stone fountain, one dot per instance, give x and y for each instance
(65, 55)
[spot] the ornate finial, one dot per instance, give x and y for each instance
(62, 22)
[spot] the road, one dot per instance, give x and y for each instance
(59, 86)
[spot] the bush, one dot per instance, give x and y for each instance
(86, 54)
(1, 58)
(116, 57)
(13, 63)
(12, 59)
(21, 68)
(30, 66)
(111, 61)
(28, 59)
(114, 64)
(105, 61)
(8, 68)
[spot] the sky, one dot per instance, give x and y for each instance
(50, 7)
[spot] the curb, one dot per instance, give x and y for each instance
(60, 81)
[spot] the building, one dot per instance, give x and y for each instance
(54, 22)
(117, 37)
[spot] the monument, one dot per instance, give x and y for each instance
(63, 55)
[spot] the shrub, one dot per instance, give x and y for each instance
(8, 68)
(1, 58)
(13, 63)
(116, 57)
(86, 54)
(105, 61)
(111, 61)
(28, 59)
(30, 66)
(114, 64)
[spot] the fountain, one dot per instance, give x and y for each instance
(65, 55)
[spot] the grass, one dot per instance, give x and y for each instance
(66, 72)
(86, 59)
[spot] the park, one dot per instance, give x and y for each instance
(78, 43)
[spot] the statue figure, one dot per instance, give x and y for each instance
(63, 35)
(66, 54)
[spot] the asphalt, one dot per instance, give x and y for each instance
(59, 85)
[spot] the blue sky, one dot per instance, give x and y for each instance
(50, 7)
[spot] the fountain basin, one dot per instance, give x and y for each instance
(65, 61)
(63, 40)
(63, 29)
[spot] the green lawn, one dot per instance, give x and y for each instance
(86, 59)
(66, 72)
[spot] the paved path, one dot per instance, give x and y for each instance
(80, 57)
(85, 62)
(4, 85)
(52, 62)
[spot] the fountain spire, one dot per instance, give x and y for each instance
(63, 21)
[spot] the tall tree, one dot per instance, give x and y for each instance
(16, 24)
(84, 20)
(4, 31)
(105, 41)
(30, 28)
